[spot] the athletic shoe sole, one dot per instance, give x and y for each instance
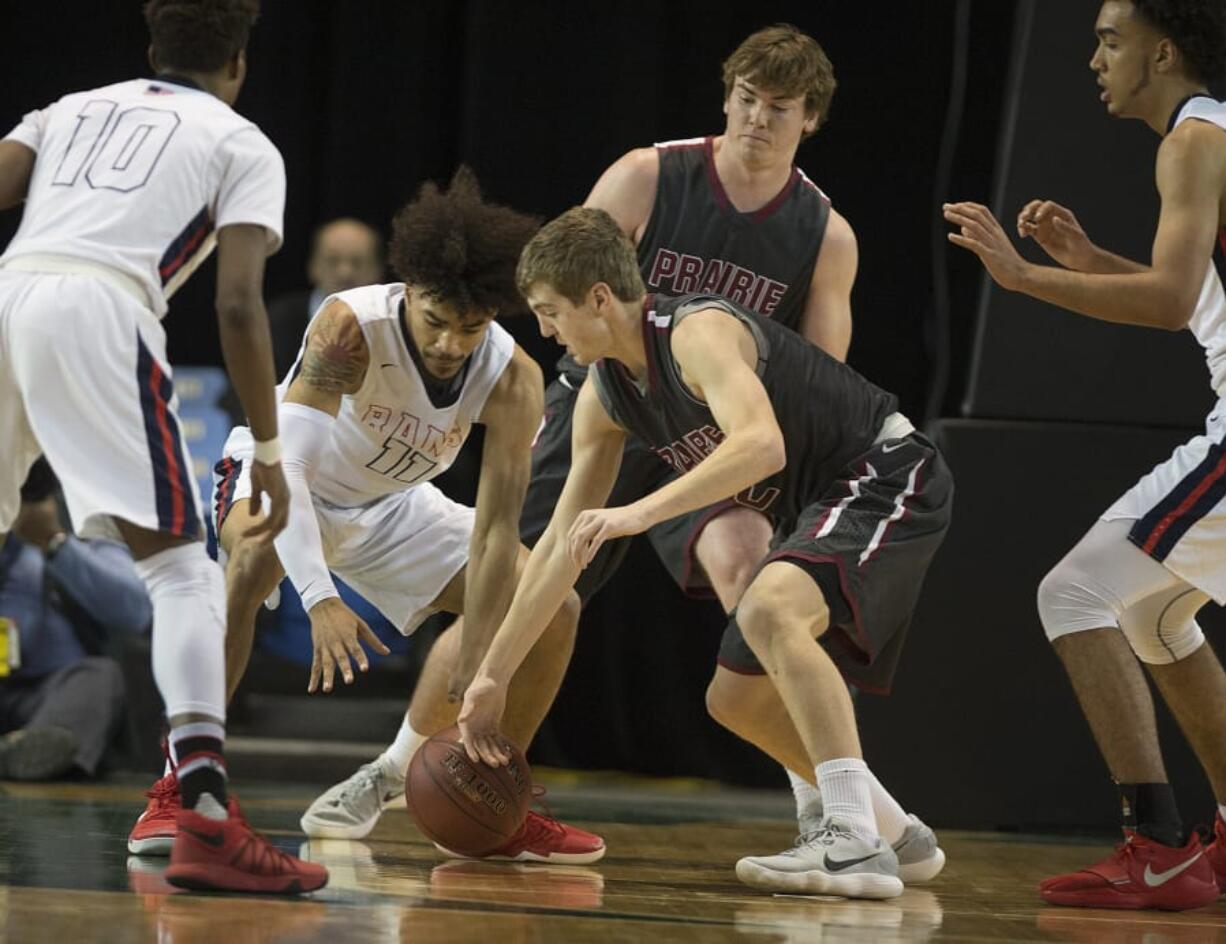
(817, 882)
(324, 831)
(153, 846)
(1106, 898)
(555, 858)
(917, 873)
(219, 878)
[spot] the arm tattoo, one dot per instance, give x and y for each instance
(335, 358)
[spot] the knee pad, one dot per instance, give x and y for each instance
(1071, 600)
(1162, 628)
(188, 593)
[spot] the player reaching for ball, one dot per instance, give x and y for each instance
(387, 386)
(741, 406)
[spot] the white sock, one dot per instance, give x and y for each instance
(845, 785)
(891, 818)
(188, 593)
(807, 795)
(404, 747)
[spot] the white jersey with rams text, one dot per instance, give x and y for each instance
(389, 435)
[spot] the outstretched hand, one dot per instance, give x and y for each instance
(336, 634)
(1057, 230)
(981, 233)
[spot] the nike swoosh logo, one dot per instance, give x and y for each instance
(216, 840)
(897, 445)
(833, 865)
(1154, 879)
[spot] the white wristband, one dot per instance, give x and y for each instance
(268, 452)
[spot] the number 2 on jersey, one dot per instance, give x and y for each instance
(117, 154)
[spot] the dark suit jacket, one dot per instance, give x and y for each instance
(287, 317)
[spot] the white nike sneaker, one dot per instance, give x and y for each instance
(920, 859)
(350, 809)
(833, 860)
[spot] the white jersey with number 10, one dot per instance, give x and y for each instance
(139, 176)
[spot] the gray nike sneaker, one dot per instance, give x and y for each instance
(920, 859)
(832, 860)
(350, 809)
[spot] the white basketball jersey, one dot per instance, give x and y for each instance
(139, 175)
(390, 436)
(1208, 322)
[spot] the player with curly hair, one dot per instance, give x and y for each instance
(387, 386)
(127, 188)
(1129, 591)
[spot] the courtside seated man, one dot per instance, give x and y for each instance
(740, 406)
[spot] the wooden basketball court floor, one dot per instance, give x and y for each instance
(66, 877)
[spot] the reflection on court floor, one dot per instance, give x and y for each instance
(65, 876)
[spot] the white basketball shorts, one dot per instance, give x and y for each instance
(84, 380)
(1178, 514)
(399, 551)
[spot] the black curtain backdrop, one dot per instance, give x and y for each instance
(367, 99)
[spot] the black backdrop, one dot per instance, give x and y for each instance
(367, 99)
(1033, 361)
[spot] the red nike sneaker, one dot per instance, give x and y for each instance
(228, 855)
(544, 839)
(1215, 852)
(1140, 873)
(154, 832)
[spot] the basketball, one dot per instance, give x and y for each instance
(467, 808)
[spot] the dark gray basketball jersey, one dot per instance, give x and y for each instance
(696, 241)
(828, 413)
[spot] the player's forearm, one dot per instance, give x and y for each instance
(300, 546)
(1101, 262)
(488, 591)
(1142, 298)
(246, 346)
(737, 463)
(548, 578)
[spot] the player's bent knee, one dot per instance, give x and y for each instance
(1162, 628)
(781, 595)
(722, 699)
(732, 698)
(731, 547)
(759, 618)
(1162, 647)
(253, 570)
(1071, 600)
